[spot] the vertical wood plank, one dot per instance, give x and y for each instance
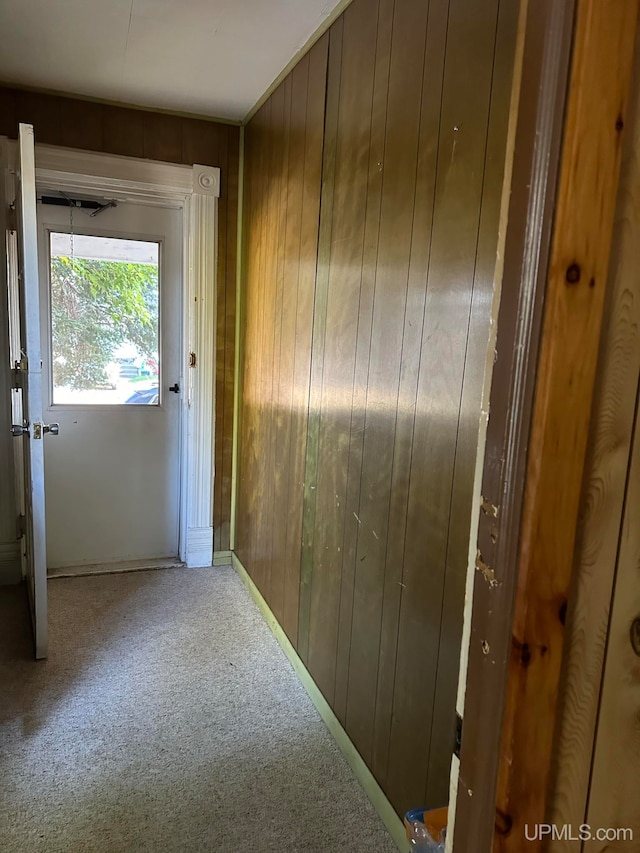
(247, 455)
(319, 330)
(123, 132)
(283, 175)
(343, 296)
(61, 121)
(372, 202)
(390, 298)
(296, 333)
(486, 257)
(162, 137)
(461, 155)
(8, 114)
(602, 504)
(613, 794)
(202, 142)
(275, 455)
(309, 237)
(423, 212)
(570, 334)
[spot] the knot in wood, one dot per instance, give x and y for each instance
(573, 274)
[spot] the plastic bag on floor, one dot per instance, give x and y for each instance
(422, 841)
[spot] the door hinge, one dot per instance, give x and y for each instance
(458, 742)
(12, 218)
(21, 526)
(18, 371)
(192, 359)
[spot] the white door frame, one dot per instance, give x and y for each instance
(195, 190)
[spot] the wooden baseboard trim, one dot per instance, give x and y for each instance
(117, 568)
(222, 558)
(362, 773)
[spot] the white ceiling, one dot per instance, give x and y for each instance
(213, 57)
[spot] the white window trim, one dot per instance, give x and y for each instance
(195, 190)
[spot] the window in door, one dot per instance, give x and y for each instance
(104, 297)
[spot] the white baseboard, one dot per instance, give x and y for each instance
(199, 551)
(10, 568)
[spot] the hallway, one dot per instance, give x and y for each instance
(166, 718)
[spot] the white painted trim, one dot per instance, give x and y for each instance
(353, 758)
(201, 218)
(195, 190)
(123, 176)
(199, 552)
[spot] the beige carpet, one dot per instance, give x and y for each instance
(167, 718)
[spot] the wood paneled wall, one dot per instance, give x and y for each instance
(131, 132)
(597, 740)
(373, 185)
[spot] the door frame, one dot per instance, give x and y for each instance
(195, 191)
(563, 194)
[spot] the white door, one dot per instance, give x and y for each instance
(26, 399)
(111, 321)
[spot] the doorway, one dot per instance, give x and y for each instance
(111, 320)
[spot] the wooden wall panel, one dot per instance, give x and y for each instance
(497, 109)
(394, 281)
(576, 285)
(375, 126)
(607, 477)
(283, 156)
(130, 132)
(389, 319)
(613, 794)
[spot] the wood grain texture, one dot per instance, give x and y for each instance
(484, 281)
(284, 146)
(362, 279)
(543, 55)
(602, 505)
(569, 347)
(130, 132)
(613, 794)
(228, 153)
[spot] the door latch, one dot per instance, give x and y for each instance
(40, 429)
(175, 388)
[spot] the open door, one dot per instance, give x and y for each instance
(27, 428)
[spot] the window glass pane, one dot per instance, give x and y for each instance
(104, 320)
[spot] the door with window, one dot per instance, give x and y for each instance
(111, 285)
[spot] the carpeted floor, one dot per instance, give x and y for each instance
(166, 718)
